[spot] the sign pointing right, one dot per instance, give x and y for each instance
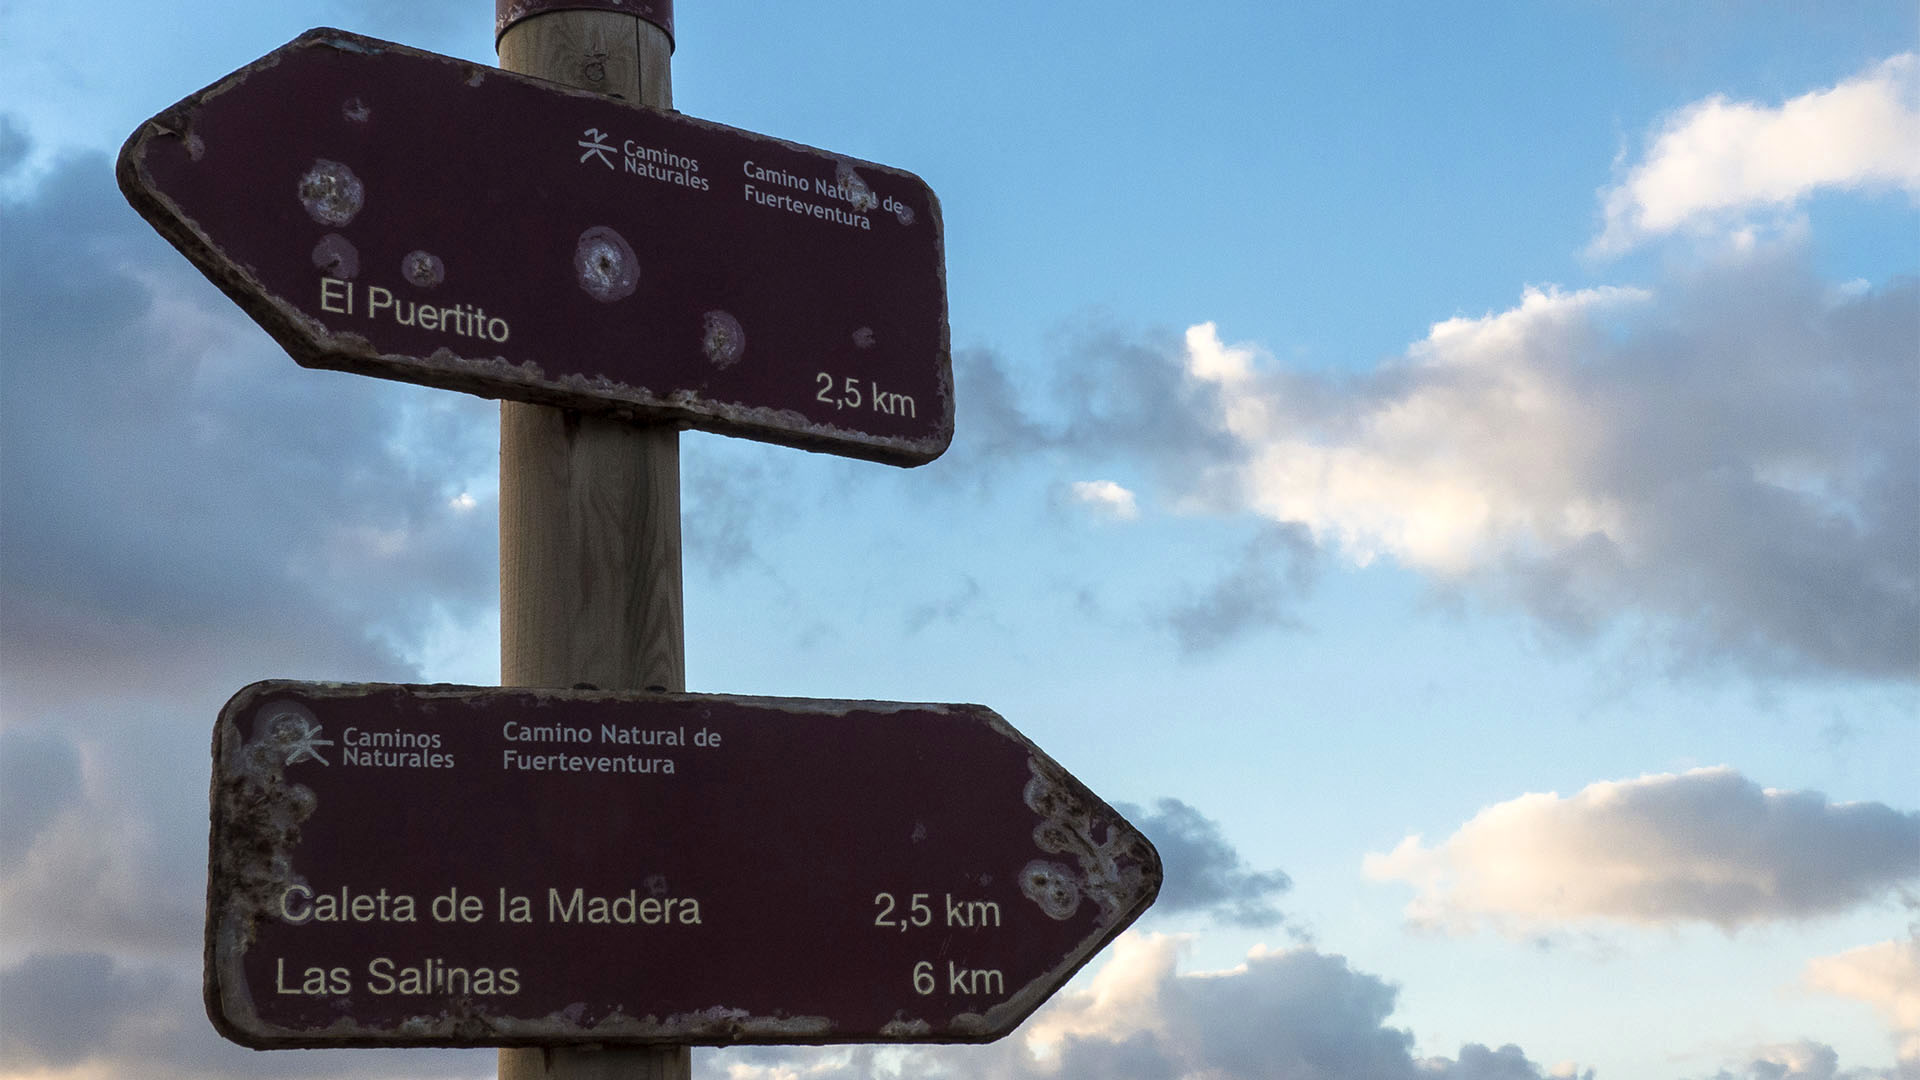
(468, 866)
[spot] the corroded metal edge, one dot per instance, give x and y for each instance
(1115, 867)
(311, 345)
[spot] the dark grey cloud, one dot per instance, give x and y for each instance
(14, 145)
(1203, 871)
(992, 420)
(1107, 392)
(60, 1009)
(1275, 571)
(184, 511)
(180, 501)
(39, 778)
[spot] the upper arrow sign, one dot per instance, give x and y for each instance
(393, 212)
(465, 866)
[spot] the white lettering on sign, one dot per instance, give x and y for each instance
(629, 909)
(665, 166)
(848, 189)
(393, 750)
(920, 911)
(434, 975)
(377, 301)
(638, 159)
(627, 763)
(847, 186)
(514, 731)
(313, 982)
(849, 393)
(300, 904)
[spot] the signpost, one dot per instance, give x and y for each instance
(459, 866)
(392, 212)
(593, 880)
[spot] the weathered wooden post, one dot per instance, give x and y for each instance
(590, 506)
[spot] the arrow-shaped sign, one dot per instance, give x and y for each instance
(467, 866)
(392, 212)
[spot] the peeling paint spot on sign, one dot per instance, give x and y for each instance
(723, 339)
(605, 264)
(336, 257)
(331, 192)
(423, 268)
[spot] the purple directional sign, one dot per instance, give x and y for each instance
(397, 213)
(466, 866)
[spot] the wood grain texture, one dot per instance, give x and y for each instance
(590, 508)
(614, 54)
(589, 552)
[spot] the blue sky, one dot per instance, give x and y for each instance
(1452, 469)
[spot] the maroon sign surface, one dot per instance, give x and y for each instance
(393, 212)
(463, 866)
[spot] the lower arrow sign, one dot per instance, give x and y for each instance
(467, 866)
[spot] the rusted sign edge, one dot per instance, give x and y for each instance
(256, 794)
(312, 346)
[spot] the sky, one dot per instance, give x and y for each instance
(1451, 472)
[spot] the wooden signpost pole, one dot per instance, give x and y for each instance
(590, 507)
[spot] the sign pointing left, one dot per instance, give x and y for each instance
(393, 212)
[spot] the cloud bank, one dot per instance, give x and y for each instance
(1721, 462)
(1730, 461)
(184, 511)
(1723, 465)
(1707, 845)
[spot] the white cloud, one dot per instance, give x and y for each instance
(1476, 452)
(1706, 845)
(1106, 497)
(1728, 461)
(1886, 976)
(1716, 160)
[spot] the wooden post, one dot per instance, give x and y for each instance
(590, 507)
